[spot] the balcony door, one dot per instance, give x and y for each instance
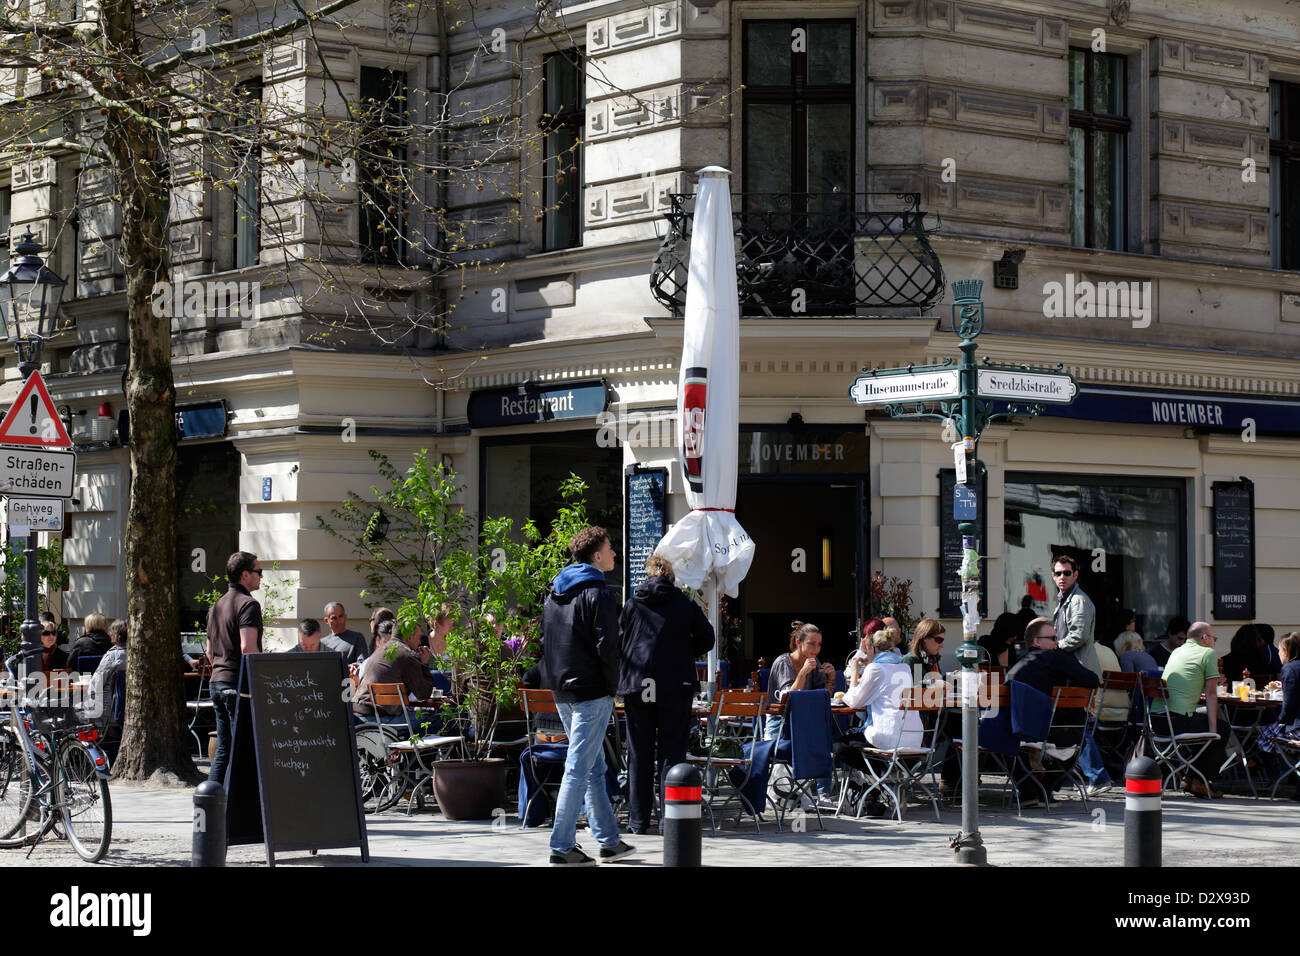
(798, 113)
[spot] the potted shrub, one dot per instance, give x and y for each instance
(488, 572)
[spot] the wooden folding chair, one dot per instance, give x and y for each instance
(1069, 719)
(412, 750)
(736, 717)
(545, 746)
(1177, 753)
(898, 770)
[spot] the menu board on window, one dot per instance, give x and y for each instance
(646, 492)
(1234, 549)
(950, 548)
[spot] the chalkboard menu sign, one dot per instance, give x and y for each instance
(647, 492)
(1234, 549)
(292, 782)
(950, 548)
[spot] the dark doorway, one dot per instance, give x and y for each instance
(808, 565)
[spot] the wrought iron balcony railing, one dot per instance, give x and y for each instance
(828, 254)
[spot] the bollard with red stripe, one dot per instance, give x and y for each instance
(1142, 788)
(682, 833)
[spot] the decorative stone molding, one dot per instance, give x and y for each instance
(399, 22)
(979, 109)
(635, 28)
(482, 63)
(981, 198)
(1185, 222)
(1118, 13)
(1220, 63)
(622, 115)
(1203, 141)
(1026, 32)
(100, 258)
(29, 173)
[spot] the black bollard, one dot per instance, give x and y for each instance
(1142, 787)
(209, 847)
(682, 816)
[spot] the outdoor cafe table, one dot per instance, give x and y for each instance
(1246, 717)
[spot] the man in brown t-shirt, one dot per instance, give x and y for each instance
(234, 629)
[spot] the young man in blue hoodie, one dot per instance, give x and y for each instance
(580, 655)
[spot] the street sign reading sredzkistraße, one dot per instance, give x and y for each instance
(37, 473)
(1014, 385)
(906, 387)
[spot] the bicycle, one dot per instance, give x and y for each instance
(52, 772)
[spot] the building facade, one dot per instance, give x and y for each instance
(1124, 178)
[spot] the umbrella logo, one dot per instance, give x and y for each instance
(694, 392)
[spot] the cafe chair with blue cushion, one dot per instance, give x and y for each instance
(415, 752)
(804, 747)
(1054, 748)
(541, 764)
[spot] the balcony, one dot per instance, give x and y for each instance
(814, 254)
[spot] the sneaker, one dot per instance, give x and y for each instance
(574, 857)
(1097, 789)
(608, 854)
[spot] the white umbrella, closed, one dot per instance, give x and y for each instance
(708, 544)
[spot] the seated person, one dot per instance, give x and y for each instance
(1045, 667)
(94, 641)
(1244, 656)
(101, 684)
(926, 650)
(1175, 636)
(1193, 669)
(878, 684)
(1000, 643)
(392, 662)
(53, 657)
(798, 670)
(312, 641)
(1133, 656)
(1288, 723)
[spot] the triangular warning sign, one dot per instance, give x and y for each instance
(32, 419)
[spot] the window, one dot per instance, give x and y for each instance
(1284, 174)
(247, 176)
(563, 120)
(381, 166)
(1128, 534)
(1099, 128)
(798, 132)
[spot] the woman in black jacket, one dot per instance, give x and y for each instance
(95, 642)
(663, 632)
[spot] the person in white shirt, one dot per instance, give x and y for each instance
(878, 685)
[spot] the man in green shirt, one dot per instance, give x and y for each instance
(1193, 669)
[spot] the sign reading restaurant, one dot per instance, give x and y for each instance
(531, 404)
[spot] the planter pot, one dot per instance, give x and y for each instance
(470, 789)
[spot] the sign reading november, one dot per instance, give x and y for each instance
(1024, 386)
(909, 387)
(37, 474)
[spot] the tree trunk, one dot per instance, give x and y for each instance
(153, 736)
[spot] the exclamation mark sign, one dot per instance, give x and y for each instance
(32, 427)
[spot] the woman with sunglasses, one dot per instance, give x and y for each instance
(927, 647)
(53, 657)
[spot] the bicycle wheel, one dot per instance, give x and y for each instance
(379, 776)
(15, 792)
(87, 811)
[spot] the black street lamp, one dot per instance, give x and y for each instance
(30, 293)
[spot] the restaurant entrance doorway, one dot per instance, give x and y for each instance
(810, 535)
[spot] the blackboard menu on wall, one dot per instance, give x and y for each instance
(646, 492)
(950, 548)
(1234, 549)
(306, 785)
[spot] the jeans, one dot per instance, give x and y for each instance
(664, 725)
(585, 724)
(224, 698)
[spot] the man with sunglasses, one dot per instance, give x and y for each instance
(234, 629)
(1075, 615)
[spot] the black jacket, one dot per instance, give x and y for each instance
(663, 632)
(1044, 670)
(580, 636)
(89, 644)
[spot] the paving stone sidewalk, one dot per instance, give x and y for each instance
(152, 827)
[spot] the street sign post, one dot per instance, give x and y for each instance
(34, 514)
(37, 473)
(965, 502)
